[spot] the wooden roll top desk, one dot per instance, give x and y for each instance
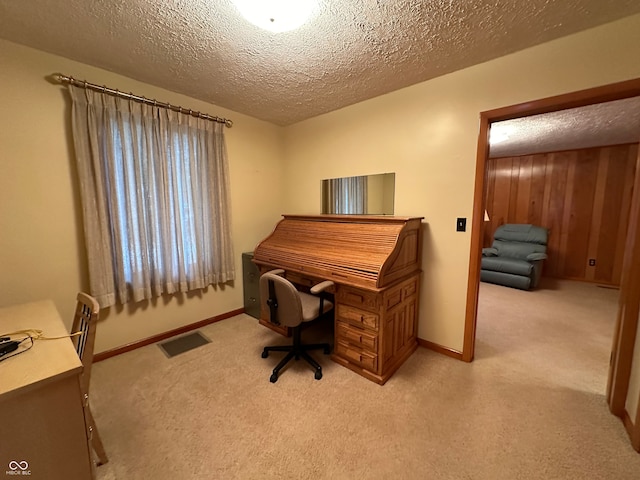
(374, 262)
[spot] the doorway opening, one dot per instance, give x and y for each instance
(623, 344)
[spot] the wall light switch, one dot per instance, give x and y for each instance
(461, 224)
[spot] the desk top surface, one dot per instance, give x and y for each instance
(47, 360)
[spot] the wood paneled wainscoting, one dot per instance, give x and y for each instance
(582, 196)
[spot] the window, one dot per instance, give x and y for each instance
(154, 187)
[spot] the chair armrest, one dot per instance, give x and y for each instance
(278, 271)
(532, 257)
(321, 287)
(489, 252)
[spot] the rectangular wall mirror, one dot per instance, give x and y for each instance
(362, 195)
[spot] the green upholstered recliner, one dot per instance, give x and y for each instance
(515, 257)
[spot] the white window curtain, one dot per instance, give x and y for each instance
(155, 198)
(349, 195)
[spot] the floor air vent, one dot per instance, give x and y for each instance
(182, 344)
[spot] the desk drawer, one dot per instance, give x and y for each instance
(394, 296)
(365, 360)
(357, 317)
(358, 297)
(301, 280)
(357, 337)
(305, 281)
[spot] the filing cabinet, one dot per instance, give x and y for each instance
(251, 285)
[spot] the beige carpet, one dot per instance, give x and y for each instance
(531, 406)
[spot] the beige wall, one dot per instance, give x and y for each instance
(41, 239)
(427, 134)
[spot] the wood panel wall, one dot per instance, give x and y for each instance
(582, 196)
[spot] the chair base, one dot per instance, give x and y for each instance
(297, 351)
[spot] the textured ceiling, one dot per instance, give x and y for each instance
(611, 123)
(349, 51)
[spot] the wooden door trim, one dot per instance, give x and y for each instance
(606, 93)
(477, 235)
(581, 98)
(627, 320)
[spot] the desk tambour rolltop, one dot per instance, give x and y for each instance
(374, 262)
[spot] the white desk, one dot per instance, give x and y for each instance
(41, 409)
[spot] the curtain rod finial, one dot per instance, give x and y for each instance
(54, 78)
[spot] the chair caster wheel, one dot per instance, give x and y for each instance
(318, 374)
(273, 378)
(265, 354)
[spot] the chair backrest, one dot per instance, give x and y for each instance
(287, 310)
(519, 240)
(84, 322)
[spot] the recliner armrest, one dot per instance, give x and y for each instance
(489, 252)
(321, 287)
(532, 257)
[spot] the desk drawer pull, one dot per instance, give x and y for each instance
(357, 317)
(363, 359)
(358, 337)
(358, 298)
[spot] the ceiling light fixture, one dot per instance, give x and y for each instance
(276, 15)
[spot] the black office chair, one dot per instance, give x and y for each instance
(292, 308)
